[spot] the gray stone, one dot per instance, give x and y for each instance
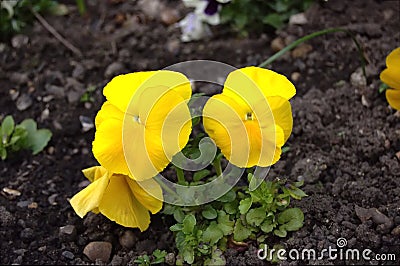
(113, 69)
(19, 41)
(68, 233)
(56, 91)
(68, 254)
(19, 78)
(127, 239)
(98, 250)
(24, 102)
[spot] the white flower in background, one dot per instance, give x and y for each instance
(194, 26)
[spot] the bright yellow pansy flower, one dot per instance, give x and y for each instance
(143, 123)
(391, 77)
(118, 197)
(251, 119)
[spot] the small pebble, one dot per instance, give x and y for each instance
(52, 199)
(19, 41)
(396, 230)
(98, 250)
(302, 50)
(68, 254)
(170, 259)
(127, 239)
(277, 44)
(86, 123)
(298, 19)
(24, 102)
(68, 232)
(114, 69)
(169, 16)
(13, 94)
(12, 192)
(295, 76)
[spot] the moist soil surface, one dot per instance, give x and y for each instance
(345, 143)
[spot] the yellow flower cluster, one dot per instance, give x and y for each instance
(146, 120)
(391, 77)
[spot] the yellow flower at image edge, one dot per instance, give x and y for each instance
(118, 197)
(251, 119)
(143, 123)
(391, 77)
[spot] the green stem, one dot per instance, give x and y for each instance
(217, 165)
(311, 36)
(181, 175)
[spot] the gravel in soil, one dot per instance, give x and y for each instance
(345, 142)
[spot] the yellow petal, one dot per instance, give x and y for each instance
(393, 59)
(160, 130)
(121, 90)
(89, 198)
(108, 111)
(282, 114)
(391, 77)
(107, 146)
(222, 120)
(252, 78)
(273, 140)
(120, 205)
(393, 98)
(148, 193)
(94, 173)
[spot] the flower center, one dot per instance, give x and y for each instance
(249, 116)
(136, 118)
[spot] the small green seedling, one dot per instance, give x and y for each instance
(22, 136)
(157, 257)
(203, 232)
(87, 96)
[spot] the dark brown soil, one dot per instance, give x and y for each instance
(345, 142)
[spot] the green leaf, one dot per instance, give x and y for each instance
(274, 20)
(280, 232)
(212, 234)
(291, 219)
(285, 149)
(240, 232)
(228, 196)
(39, 140)
(224, 223)
(231, 207)
(188, 255)
(7, 128)
(209, 212)
(267, 227)
(217, 258)
(201, 174)
(382, 88)
(176, 227)
(159, 256)
(179, 215)
(296, 193)
(188, 224)
(245, 205)
(35, 140)
(3, 152)
(256, 216)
